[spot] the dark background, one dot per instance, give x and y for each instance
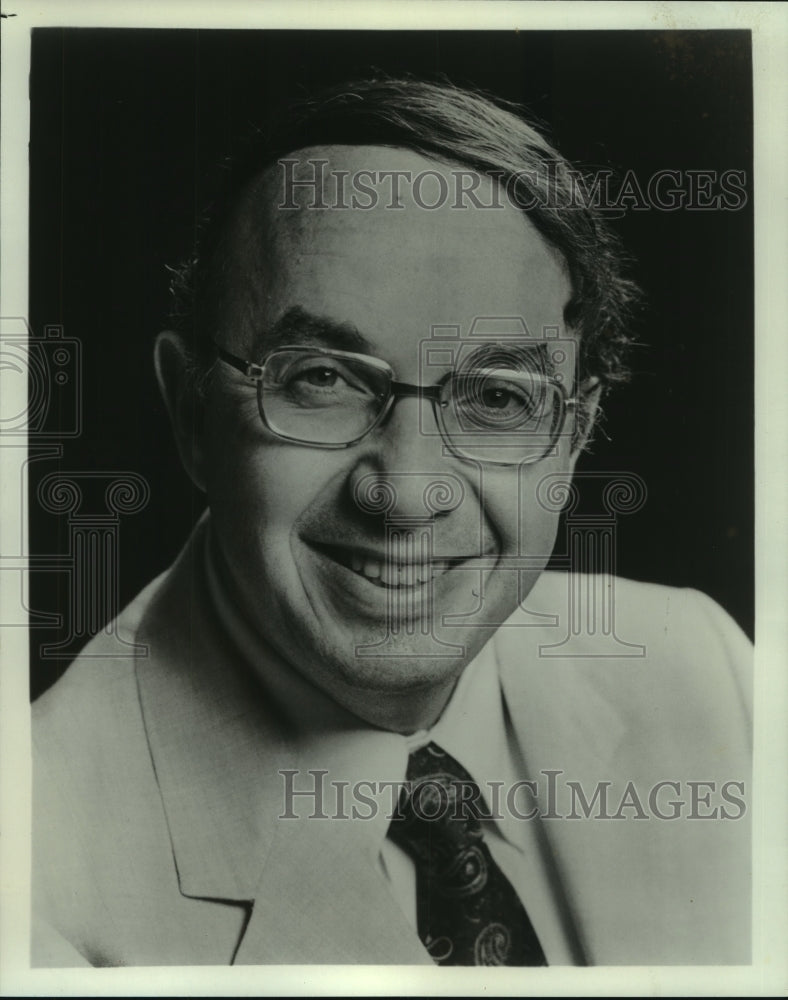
(127, 124)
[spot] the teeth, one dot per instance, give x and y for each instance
(402, 575)
(372, 569)
(389, 575)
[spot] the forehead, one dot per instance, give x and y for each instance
(389, 241)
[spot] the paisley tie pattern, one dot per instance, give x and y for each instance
(468, 913)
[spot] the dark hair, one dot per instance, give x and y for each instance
(451, 124)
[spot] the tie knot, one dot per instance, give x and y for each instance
(440, 808)
(432, 761)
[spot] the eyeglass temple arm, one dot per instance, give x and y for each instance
(244, 367)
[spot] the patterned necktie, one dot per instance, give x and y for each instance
(467, 911)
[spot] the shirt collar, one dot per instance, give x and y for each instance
(474, 728)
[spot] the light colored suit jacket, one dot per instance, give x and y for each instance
(157, 792)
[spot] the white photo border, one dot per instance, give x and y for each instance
(768, 973)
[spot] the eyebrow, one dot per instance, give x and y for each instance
(533, 356)
(298, 326)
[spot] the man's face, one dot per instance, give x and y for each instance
(310, 567)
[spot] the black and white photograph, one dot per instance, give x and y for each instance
(382, 470)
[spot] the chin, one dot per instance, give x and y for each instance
(403, 663)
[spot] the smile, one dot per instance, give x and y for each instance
(386, 572)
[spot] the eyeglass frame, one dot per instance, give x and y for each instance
(396, 391)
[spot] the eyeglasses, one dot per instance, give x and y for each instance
(333, 399)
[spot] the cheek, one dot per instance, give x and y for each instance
(538, 533)
(257, 489)
(525, 510)
(525, 528)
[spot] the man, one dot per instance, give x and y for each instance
(369, 727)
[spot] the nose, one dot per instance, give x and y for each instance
(403, 473)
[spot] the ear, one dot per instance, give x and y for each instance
(589, 394)
(173, 365)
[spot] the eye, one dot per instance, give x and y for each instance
(490, 400)
(319, 382)
(499, 397)
(323, 376)
(485, 391)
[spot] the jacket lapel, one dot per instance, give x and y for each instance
(322, 900)
(215, 749)
(565, 731)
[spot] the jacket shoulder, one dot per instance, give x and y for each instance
(95, 798)
(634, 641)
(668, 616)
